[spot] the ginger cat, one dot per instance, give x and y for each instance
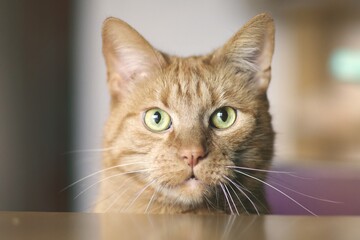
(188, 134)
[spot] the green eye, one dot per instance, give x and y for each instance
(223, 118)
(157, 120)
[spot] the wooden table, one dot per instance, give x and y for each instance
(52, 226)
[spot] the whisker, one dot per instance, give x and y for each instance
(306, 195)
(112, 176)
(91, 150)
(139, 193)
(217, 196)
(109, 195)
(249, 192)
(227, 199)
(116, 199)
(117, 192)
(237, 196)
(247, 226)
(251, 201)
(149, 204)
(260, 170)
(98, 172)
(229, 225)
(300, 177)
(242, 191)
(278, 190)
(231, 199)
(210, 203)
(207, 204)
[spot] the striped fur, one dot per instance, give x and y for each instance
(151, 176)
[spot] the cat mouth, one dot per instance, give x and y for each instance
(192, 182)
(192, 177)
(189, 191)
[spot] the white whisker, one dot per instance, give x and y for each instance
(248, 198)
(119, 194)
(300, 177)
(278, 190)
(306, 195)
(249, 192)
(116, 199)
(98, 201)
(98, 172)
(207, 204)
(259, 170)
(251, 201)
(139, 193)
(149, 204)
(227, 199)
(210, 203)
(217, 196)
(112, 176)
(91, 150)
(229, 225)
(247, 227)
(237, 196)
(231, 199)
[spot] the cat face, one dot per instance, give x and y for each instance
(179, 126)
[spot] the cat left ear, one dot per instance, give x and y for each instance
(128, 56)
(251, 49)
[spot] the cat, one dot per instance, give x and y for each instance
(187, 134)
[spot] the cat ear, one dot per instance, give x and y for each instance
(128, 56)
(250, 50)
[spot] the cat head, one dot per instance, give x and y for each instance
(187, 121)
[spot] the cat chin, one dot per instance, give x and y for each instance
(189, 193)
(192, 186)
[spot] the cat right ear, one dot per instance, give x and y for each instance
(128, 56)
(250, 50)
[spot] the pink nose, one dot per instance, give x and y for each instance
(192, 156)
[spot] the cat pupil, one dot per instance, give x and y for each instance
(157, 117)
(223, 115)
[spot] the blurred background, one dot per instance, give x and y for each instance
(54, 100)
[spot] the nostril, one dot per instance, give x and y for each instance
(197, 155)
(193, 156)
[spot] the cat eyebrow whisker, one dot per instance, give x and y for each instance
(98, 172)
(278, 190)
(112, 176)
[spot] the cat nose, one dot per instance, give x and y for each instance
(192, 156)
